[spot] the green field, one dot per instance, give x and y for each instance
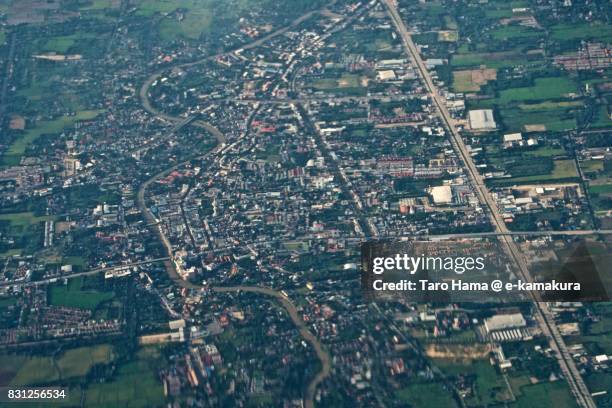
(490, 386)
(513, 32)
(554, 120)
(584, 31)
(24, 219)
(25, 229)
(592, 165)
(71, 295)
(24, 370)
(544, 88)
(98, 5)
(198, 17)
(546, 151)
(563, 169)
(601, 189)
(549, 105)
(426, 395)
(543, 394)
(191, 27)
(346, 84)
(16, 149)
(135, 385)
(77, 362)
(490, 59)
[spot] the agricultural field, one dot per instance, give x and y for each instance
(543, 89)
(426, 395)
(472, 80)
(489, 59)
(562, 170)
(36, 370)
(580, 32)
(135, 384)
(539, 395)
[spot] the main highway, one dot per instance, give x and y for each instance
(542, 313)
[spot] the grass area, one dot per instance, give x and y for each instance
(489, 59)
(511, 32)
(582, 31)
(346, 84)
(75, 261)
(77, 362)
(543, 394)
(554, 120)
(601, 381)
(59, 44)
(592, 165)
(471, 80)
(71, 295)
(135, 385)
(24, 219)
(98, 5)
(17, 149)
(150, 7)
(601, 189)
(546, 151)
(544, 88)
(550, 105)
(191, 27)
(29, 370)
(563, 169)
(2, 36)
(602, 120)
(490, 386)
(25, 229)
(426, 395)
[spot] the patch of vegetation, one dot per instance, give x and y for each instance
(426, 395)
(72, 295)
(16, 150)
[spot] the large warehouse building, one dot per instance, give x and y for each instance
(482, 120)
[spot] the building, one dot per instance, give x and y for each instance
(504, 321)
(482, 120)
(442, 194)
(387, 75)
(513, 137)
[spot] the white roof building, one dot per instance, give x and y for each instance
(504, 321)
(388, 75)
(513, 137)
(482, 119)
(442, 194)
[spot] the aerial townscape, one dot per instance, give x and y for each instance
(189, 188)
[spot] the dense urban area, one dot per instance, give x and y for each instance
(186, 185)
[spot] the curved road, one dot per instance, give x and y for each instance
(322, 355)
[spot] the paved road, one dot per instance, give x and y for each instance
(543, 315)
(89, 272)
(170, 268)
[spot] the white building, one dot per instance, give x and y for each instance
(482, 120)
(441, 194)
(504, 321)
